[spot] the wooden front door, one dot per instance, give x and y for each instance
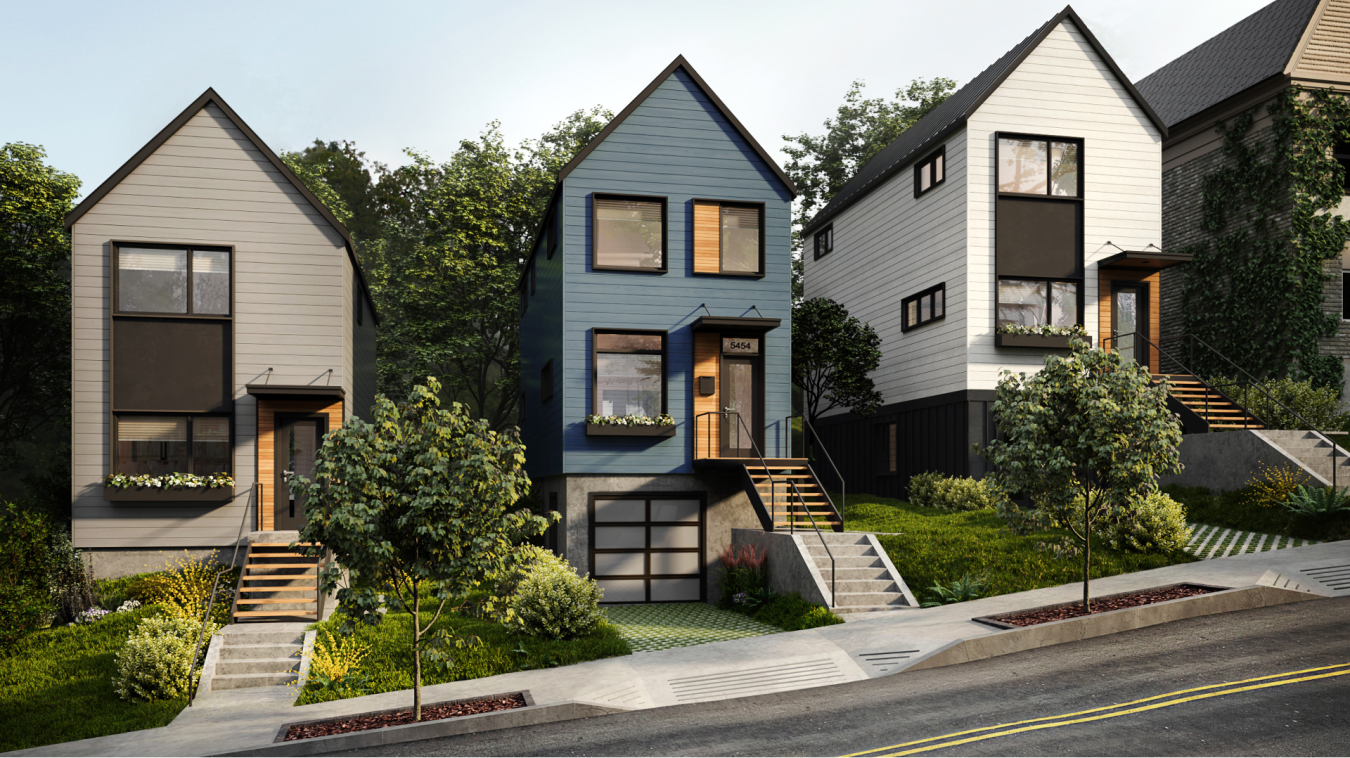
(297, 446)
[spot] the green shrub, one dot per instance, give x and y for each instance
(154, 662)
(71, 581)
(1239, 509)
(742, 573)
(1158, 525)
(25, 599)
(553, 602)
(790, 612)
(968, 587)
(523, 560)
(953, 493)
(1321, 406)
(1316, 502)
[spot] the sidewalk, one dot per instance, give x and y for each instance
(868, 646)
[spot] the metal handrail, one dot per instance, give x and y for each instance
(834, 572)
(211, 603)
(1164, 354)
(843, 486)
(1250, 382)
(773, 485)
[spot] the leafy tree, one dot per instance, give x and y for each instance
(415, 507)
(832, 355)
(35, 298)
(1085, 440)
(820, 165)
(363, 186)
(315, 177)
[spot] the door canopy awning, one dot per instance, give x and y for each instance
(295, 390)
(736, 324)
(1144, 260)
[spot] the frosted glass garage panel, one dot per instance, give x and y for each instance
(674, 563)
(620, 564)
(624, 590)
(672, 590)
(674, 536)
(620, 537)
(620, 510)
(675, 510)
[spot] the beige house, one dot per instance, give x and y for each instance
(221, 325)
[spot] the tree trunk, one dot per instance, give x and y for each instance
(417, 654)
(1087, 555)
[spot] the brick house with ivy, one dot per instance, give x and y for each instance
(1251, 189)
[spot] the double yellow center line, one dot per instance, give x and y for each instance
(1108, 712)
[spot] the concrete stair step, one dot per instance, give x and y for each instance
(845, 562)
(258, 666)
(234, 652)
(846, 609)
(241, 681)
(262, 637)
(869, 598)
(852, 574)
(862, 586)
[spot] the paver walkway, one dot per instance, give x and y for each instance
(671, 625)
(1218, 542)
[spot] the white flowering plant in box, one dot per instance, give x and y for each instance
(1043, 330)
(632, 419)
(190, 481)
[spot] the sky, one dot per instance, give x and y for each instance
(93, 82)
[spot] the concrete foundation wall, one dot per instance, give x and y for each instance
(791, 568)
(111, 563)
(1227, 460)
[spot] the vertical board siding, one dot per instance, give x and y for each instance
(675, 144)
(267, 467)
(207, 184)
(890, 245)
(363, 362)
(707, 238)
(1063, 89)
(707, 362)
(541, 330)
(1151, 280)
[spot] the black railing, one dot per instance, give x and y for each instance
(834, 572)
(724, 415)
(809, 434)
(1246, 383)
(215, 587)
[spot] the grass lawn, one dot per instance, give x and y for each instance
(931, 546)
(389, 664)
(56, 686)
(1236, 510)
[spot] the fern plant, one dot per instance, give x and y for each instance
(966, 588)
(1317, 501)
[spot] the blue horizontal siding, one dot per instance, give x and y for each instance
(678, 145)
(541, 338)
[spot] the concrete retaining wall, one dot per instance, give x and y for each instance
(791, 568)
(1227, 460)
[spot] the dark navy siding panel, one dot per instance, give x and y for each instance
(363, 362)
(541, 332)
(676, 144)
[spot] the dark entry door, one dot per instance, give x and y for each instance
(297, 445)
(743, 395)
(1129, 320)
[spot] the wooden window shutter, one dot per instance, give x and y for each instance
(707, 237)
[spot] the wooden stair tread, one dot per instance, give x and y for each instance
(264, 600)
(301, 588)
(281, 565)
(278, 612)
(283, 544)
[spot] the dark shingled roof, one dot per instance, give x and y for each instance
(930, 130)
(1246, 53)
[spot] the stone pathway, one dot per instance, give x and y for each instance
(661, 626)
(1218, 542)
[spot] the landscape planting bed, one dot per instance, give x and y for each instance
(1105, 604)
(381, 719)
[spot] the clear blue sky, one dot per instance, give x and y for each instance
(94, 81)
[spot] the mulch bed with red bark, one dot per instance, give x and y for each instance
(396, 718)
(1102, 605)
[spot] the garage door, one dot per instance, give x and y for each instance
(648, 549)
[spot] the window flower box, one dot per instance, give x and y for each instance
(630, 426)
(169, 488)
(1041, 338)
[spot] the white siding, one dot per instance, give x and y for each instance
(207, 184)
(890, 245)
(1063, 88)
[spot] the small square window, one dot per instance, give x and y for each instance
(629, 233)
(929, 172)
(824, 241)
(923, 308)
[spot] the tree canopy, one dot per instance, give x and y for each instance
(832, 355)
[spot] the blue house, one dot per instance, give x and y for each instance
(656, 345)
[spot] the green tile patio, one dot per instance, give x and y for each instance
(669, 625)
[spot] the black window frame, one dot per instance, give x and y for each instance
(116, 284)
(524, 293)
(1047, 139)
(824, 238)
(721, 240)
(116, 439)
(595, 363)
(927, 164)
(1345, 295)
(1049, 301)
(647, 576)
(905, 324)
(665, 232)
(1340, 152)
(546, 382)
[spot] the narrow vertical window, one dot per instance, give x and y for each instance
(546, 382)
(892, 449)
(929, 172)
(741, 239)
(824, 241)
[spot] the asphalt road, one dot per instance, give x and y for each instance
(1289, 718)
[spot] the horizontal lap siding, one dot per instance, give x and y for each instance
(207, 184)
(1063, 88)
(676, 144)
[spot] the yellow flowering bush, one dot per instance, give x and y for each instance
(1272, 485)
(335, 661)
(184, 589)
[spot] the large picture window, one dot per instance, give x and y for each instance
(184, 281)
(1026, 302)
(630, 233)
(158, 445)
(630, 373)
(1040, 166)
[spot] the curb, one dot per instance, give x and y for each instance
(482, 722)
(1111, 622)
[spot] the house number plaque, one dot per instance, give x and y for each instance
(740, 346)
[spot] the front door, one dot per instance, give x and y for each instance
(297, 446)
(1129, 320)
(742, 397)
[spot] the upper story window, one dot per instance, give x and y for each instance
(629, 233)
(930, 172)
(925, 307)
(1040, 166)
(630, 373)
(185, 281)
(158, 445)
(728, 238)
(824, 241)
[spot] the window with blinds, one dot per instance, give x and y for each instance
(158, 445)
(181, 281)
(630, 233)
(728, 238)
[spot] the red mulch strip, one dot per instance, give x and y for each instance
(395, 718)
(1147, 597)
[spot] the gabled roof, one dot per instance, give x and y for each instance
(1243, 55)
(953, 113)
(679, 63)
(209, 97)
